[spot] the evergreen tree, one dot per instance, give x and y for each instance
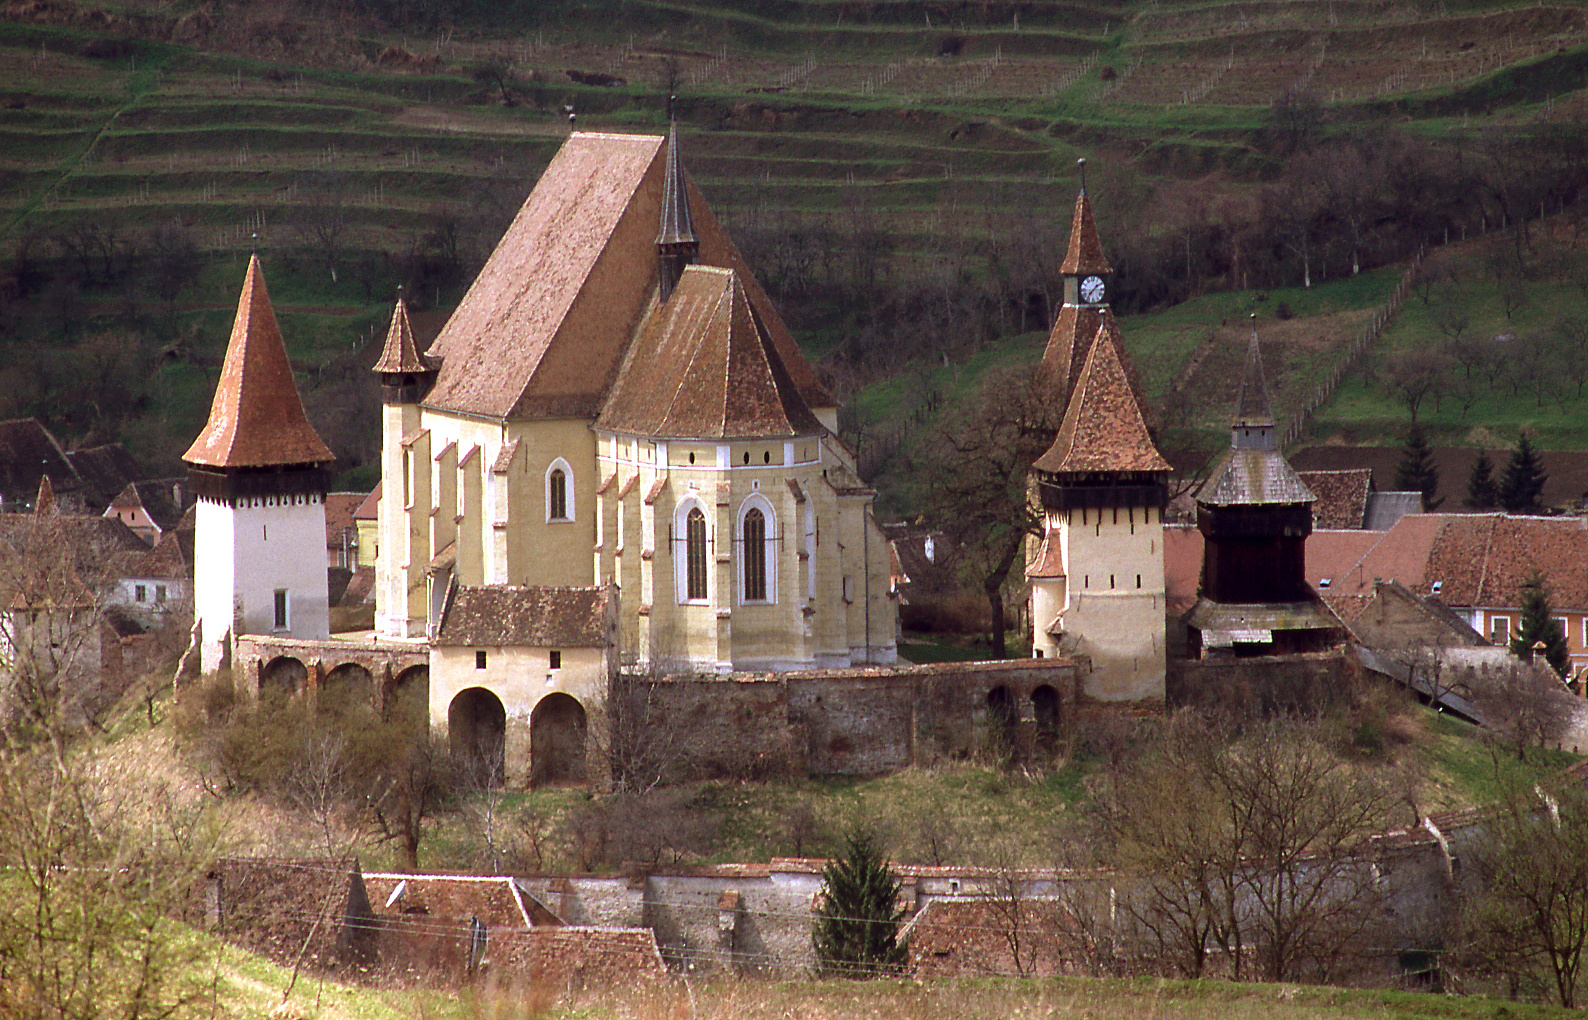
(1417, 472)
(1523, 481)
(1482, 494)
(1538, 625)
(856, 932)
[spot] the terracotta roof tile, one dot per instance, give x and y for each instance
(704, 367)
(341, 509)
(28, 451)
(544, 327)
(1070, 341)
(256, 418)
(1341, 496)
(369, 510)
(1049, 560)
(401, 353)
(1105, 428)
(1085, 254)
(499, 615)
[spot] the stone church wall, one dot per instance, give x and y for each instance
(1263, 684)
(859, 721)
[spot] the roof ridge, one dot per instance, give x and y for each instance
(1252, 408)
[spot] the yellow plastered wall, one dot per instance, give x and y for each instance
(520, 678)
(1115, 588)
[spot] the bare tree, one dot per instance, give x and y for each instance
(1532, 862)
(1522, 703)
(1256, 848)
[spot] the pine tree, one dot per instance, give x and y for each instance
(856, 932)
(1538, 625)
(1417, 471)
(1482, 494)
(1523, 482)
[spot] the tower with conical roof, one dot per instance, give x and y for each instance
(1097, 581)
(677, 244)
(1255, 514)
(260, 473)
(401, 579)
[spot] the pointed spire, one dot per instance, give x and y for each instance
(1105, 427)
(401, 353)
(677, 244)
(1086, 248)
(1251, 407)
(256, 418)
(44, 502)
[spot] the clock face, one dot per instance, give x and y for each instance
(1092, 289)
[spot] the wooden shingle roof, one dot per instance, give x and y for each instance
(544, 328)
(256, 418)
(704, 367)
(1104, 428)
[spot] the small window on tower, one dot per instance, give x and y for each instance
(281, 609)
(554, 658)
(479, 659)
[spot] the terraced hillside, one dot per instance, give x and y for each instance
(900, 172)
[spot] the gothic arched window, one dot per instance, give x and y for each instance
(695, 555)
(559, 491)
(754, 534)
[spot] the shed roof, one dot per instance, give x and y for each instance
(256, 418)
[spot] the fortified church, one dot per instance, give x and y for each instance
(613, 453)
(614, 456)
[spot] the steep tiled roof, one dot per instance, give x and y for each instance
(369, 510)
(168, 559)
(1070, 341)
(703, 366)
(256, 418)
(157, 498)
(28, 451)
(1105, 428)
(340, 511)
(1085, 254)
(105, 470)
(544, 327)
(500, 615)
(1049, 560)
(1476, 559)
(401, 353)
(1341, 496)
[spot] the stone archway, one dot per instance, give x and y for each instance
(408, 699)
(1046, 709)
(557, 741)
(477, 730)
(281, 678)
(349, 689)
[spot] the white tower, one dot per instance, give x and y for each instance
(259, 471)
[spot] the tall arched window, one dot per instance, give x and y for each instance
(754, 532)
(559, 495)
(695, 555)
(559, 491)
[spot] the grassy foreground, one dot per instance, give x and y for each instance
(245, 998)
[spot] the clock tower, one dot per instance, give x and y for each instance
(1099, 488)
